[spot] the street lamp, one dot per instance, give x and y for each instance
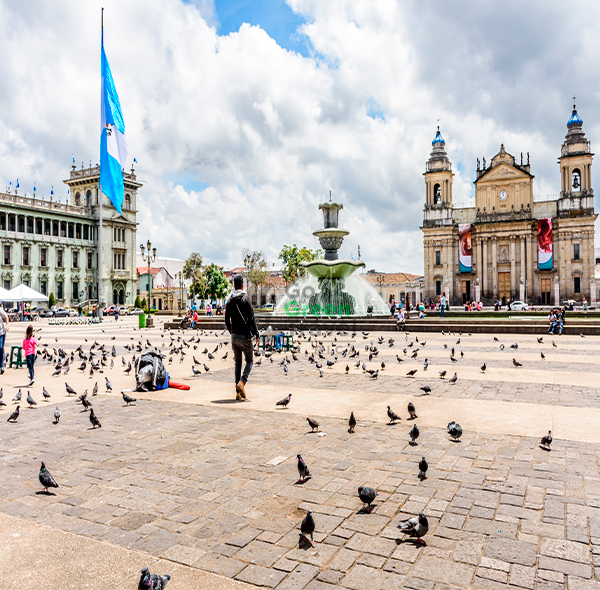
(150, 258)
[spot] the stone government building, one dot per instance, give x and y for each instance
(490, 251)
(53, 247)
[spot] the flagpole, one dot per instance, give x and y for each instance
(100, 183)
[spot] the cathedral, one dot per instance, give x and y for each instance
(509, 245)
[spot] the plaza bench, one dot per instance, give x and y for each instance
(16, 356)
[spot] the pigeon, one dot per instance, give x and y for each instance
(455, 430)
(516, 363)
(108, 384)
(45, 394)
(351, 423)
(423, 467)
(454, 360)
(70, 390)
(554, 344)
(85, 403)
(496, 339)
(95, 390)
(542, 355)
(128, 369)
(540, 340)
(128, 399)
(46, 479)
(411, 411)
(426, 389)
(17, 397)
(347, 369)
(425, 365)
(302, 469)
(581, 334)
(307, 528)
(392, 415)
(30, 400)
(14, 416)
(411, 373)
(285, 401)
(547, 440)
(150, 581)
(196, 371)
(483, 368)
(367, 496)
(414, 435)
(515, 345)
(94, 419)
(442, 374)
(313, 424)
(453, 379)
(502, 347)
(56, 415)
(399, 359)
(415, 527)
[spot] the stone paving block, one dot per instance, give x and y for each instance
(567, 550)
(156, 543)
(330, 576)
(551, 576)
(453, 521)
(419, 584)
(492, 574)
(299, 578)
(369, 544)
(575, 583)
(511, 551)
(260, 553)
(566, 567)
(361, 577)
(468, 552)
(320, 555)
(370, 560)
(183, 554)
(343, 560)
(261, 576)
(522, 576)
(438, 570)
(244, 536)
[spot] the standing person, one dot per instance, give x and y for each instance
(80, 309)
(241, 323)
(29, 346)
(117, 310)
(443, 306)
(54, 310)
(3, 329)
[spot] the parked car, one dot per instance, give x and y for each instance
(109, 310)
(62, 312)
(518, 306)
(73, 313)
(123, 310)
(136, 311)
(269, 306)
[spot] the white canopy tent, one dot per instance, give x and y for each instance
(5, 295)
(25, 293)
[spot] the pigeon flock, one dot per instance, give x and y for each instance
(100, 358)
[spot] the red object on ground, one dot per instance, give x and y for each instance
(181, 386)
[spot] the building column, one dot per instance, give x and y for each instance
(479, 253)
(449, 269)
(523, 276)
(485, 287)
(513, 267)
(592, 291)
(531, 262)
(494, 267)
(556, 290)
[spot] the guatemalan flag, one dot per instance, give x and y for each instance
(113, 143)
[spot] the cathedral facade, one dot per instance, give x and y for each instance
(510, 246)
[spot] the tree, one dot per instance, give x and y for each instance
(138, 303)
(51, 300)
(257, 270)
(217, 285)
(292, 256)
(192, 269)
(143, 306)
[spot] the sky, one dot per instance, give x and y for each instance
(244, 115)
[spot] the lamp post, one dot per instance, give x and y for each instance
(150, 258)
(179, 276)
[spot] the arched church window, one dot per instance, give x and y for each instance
(88, 198)
(127, 202)
(576, 184)
(437, 194)
(78, 199)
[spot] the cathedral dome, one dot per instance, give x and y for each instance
(438, 140)
(575, 120)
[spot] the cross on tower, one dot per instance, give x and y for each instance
(438, 124)
(574, 97)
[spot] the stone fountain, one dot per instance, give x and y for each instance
(331, 288)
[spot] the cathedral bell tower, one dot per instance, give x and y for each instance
(575, 162)
(438, 185)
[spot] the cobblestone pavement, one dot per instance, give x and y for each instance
(215, 487)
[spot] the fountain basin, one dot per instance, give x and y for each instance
(332, 269)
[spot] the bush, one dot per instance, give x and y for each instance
(138, 303)
(51, 300)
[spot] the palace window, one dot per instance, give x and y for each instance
(576, 183)
(11, 223)
(38, 227)
(55, 228)
(2, 221)
(21, 221)
(127, 202)
(78, 199)
(71, 229)
(25, 255)
(76, 290)
(438, 288)
(90, 260)
(30, 225)
(63, 230)
(59, 258)
(78, 231)
(576, 285)
(576, 252)
(75, 259)
(43, 257)
(59, 290)
(88, 200)
(86, 232)
(7, 285)
(6, 254)
(43, 287)
(438, 258)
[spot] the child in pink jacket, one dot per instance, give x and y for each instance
(29, 346)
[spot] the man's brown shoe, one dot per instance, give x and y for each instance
(239, 388)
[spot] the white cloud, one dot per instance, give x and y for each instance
(271, 132)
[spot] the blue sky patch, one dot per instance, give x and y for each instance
(374, 110)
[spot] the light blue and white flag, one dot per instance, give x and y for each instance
(113, 143)
(52, 191)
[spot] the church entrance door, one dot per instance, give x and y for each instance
(546, 291)
(466, 291)
(504, 287)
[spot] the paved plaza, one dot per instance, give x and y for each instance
(206, 489)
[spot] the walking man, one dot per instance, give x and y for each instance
(241, 323)
(443, 306)
(3, 330)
